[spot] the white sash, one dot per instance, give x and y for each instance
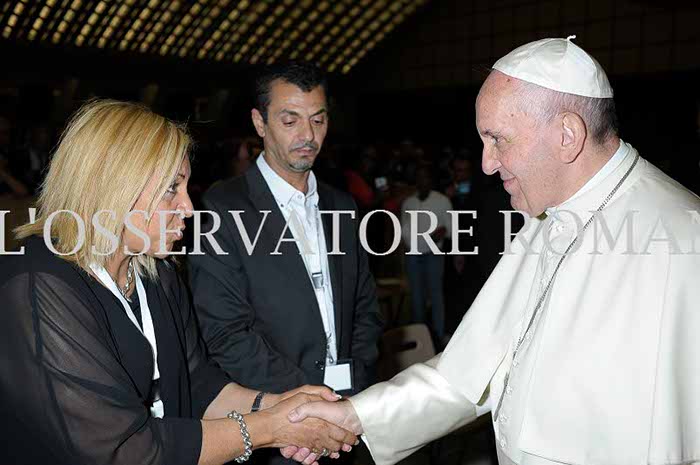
(157, 408)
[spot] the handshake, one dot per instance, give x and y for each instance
(309, 423)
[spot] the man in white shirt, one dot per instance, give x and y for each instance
(582, 343)
(425, 259)
(279, 309)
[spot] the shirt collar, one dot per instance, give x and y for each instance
(284, 192)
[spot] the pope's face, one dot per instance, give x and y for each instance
(297, 123)
(515, 145)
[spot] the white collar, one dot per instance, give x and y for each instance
(616, 160)
(281, 189)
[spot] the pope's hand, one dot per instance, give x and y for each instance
(340, 413)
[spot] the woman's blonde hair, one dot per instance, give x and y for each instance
(106, 156)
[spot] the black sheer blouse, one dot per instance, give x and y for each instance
(75, 373)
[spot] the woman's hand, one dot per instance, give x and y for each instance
(312, 434)
(326, 393)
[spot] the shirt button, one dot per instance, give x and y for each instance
(503, 419)
(503, 443)
(509, 390)
(515, 362)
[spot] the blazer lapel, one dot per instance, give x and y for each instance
(290, 258)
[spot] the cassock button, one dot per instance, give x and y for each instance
(320, 365)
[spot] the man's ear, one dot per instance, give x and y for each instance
(258, 122)
(573, 137)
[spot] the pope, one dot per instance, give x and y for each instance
(582, 343)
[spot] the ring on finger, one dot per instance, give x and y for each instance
(325, 452)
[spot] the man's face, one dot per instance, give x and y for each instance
(424, 181)
(297, 123)
(515, 146)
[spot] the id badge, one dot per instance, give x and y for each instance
(157, 409)
(339, 376)
(317, 280)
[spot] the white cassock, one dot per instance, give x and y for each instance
(610, 372)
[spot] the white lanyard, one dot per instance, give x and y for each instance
(318, 274)
(157, 409)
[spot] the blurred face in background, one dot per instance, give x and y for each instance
(461, 171)
(296, 126)
(40, 138)
(424, 182)
(254, 148)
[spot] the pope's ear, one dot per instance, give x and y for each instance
(258, 122)
(573, 136)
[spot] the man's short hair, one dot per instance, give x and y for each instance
(304, 75)
(599, 114)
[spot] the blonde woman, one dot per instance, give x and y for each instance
(101, 358)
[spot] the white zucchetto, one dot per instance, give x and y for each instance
(557, 64)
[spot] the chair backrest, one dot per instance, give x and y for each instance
(402, 347)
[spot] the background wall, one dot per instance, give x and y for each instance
(422, 83)
(455, 40)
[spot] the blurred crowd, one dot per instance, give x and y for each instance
(379, 176)
(383, 176)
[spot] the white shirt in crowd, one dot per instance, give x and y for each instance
(436, 203)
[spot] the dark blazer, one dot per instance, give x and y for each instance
(258, 313)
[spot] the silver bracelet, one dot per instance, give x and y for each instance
(247, 443)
